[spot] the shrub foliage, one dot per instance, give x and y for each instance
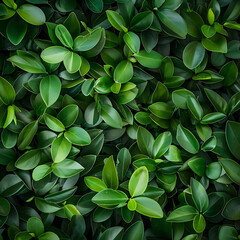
(119, 119)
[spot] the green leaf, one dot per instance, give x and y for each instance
(150, 164)
(41, 171)
(233, 138)
(35, 225)
(68, 114)
(187, 140)
(231, 210)
(199, 195)
(150, 60)
(138, 182)
(111, 116)
(230, 73)
(66, 168)
(217, 101)
(60, 196)
(54, 54)
(29, 160)
(110, 197)
(60, 149)
(31, 14)
(161, 144)
(182, 214)
(211, 118)
(173, 154)
(109, 174)
(77, 136)
(16, 30)
(46, 207)
(95, 184)
(228, 232)
(162, 110)
(195, 107)
(208, 31)
(211, 16)
(116, 20)
(148, 207)
(133, 41)
(50, 88)
(193, 54)
(145, 141)
(142, 21)
(87, 42)
(199, 223)
(113, 233)
(4, 207)
(72, 62)
(197, 165)
(232, 169)
(64, 36)
(53, 123)
(95, 5)
(72, 24)
(217, 43)
(27, 63)
(10, 185)
(135, 231)
(180, 97)
(123, 160)
(48, 235)
(123, 72)
(173, 22)
(213, 170)
(234, 103)
(194, 22)
(7, 92)
(26, 135)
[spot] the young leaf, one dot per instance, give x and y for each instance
(138, 182)
(148, 207)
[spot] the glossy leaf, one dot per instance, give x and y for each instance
(138, 182)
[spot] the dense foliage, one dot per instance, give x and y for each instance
(119, 119)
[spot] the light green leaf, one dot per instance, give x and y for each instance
(66, 168)
(138, 182)
(54, 54)
(123, 72)
(7, 92)
(64, 36)
(60, 149)
(72, 62)
(148, 207)
(152, 59)
(31, 14)
(77, 136)
(50, 88)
